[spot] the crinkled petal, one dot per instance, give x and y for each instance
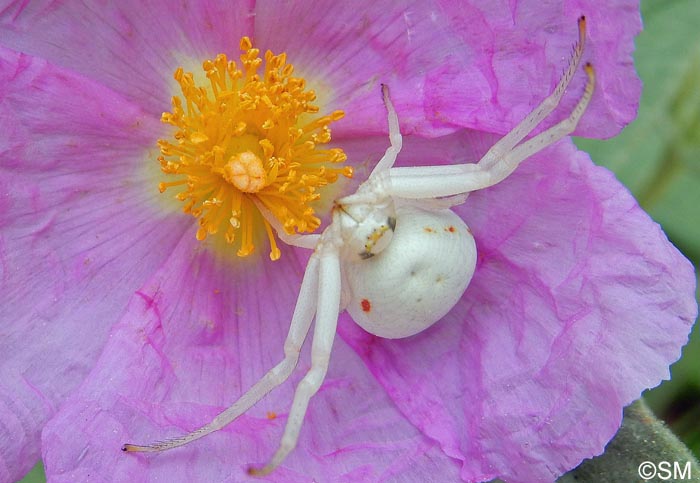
(474, 64)
(481, 65)
(517, 52)
(132, 46)
(192, 340)
(326, 40)
(80, 230)
(578, 304)
(512, 385)
(366, 43)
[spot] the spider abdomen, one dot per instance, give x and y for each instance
(417, 279)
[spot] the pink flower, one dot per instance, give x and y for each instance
(118, 325)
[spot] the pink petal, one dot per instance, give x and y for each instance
(134, 47)
(517, 52)
(480, 65)
(71, 282)
(346, 49)
(130, 46)
(193, 338)
(80, 229)
(578, 304)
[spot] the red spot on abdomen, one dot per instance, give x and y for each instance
(366, 306)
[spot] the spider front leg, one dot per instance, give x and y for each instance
(328, 306)
(299, 328)
(539, 113)
(437, 181)
(504, 157)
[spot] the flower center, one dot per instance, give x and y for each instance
(246, 140)
(245, 171)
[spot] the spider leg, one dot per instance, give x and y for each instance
(436, 181)
(395, 138)
(302, 241)
(324, 332)
(299, 327)
(444, 203)
(512, 159)
(539, 113)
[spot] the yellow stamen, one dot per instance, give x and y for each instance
(251, 134)
(274, 249)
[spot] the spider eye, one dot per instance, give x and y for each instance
(367, 228)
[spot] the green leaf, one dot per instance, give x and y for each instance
(643, 447)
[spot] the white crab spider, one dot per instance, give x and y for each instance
(394, 255)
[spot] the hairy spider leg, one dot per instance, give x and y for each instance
(504, 156)
(299, 328)
(501, 169)
(537, 115)
(327, 308)
(436, 181)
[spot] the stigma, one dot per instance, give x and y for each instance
(251, 136)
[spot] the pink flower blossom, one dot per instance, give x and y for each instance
(118, 325)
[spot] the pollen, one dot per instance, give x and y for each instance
(249, 139)
(366, 305)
